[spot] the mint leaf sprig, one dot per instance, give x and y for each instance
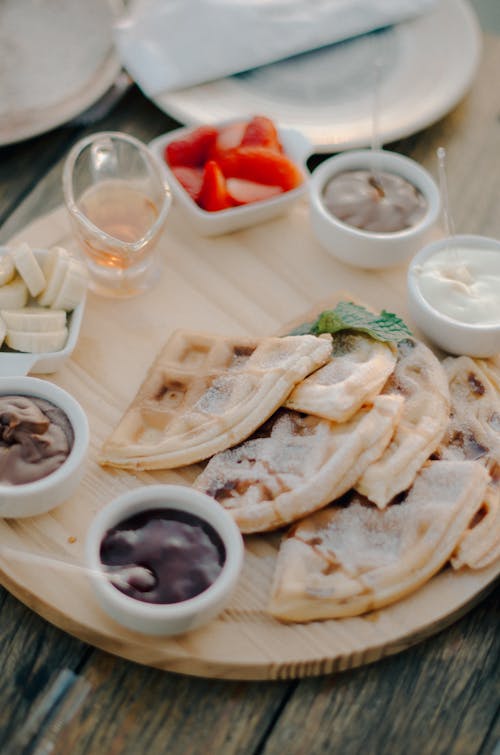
(385, 326)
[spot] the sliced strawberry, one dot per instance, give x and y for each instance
(261, 132)
(262, 165)
(190, 179)
(213, 195)
(228, 137)
(192, 149)
(244, 192)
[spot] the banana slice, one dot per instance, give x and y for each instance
(7, 269)
(73, 287)
(36, 343)
(34, 319)
(13, 295)
(28, 268)
(54, 268)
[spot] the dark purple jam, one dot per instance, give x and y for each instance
(162, 556)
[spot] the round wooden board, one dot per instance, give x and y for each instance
(251, 282)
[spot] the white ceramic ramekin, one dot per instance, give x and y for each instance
(42, 495)
(367, 249)
(455, 337)
(295, 145)
(171, 618)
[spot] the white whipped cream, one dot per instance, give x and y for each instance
(463, 283)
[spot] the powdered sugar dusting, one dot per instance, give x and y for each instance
(262, 468)
(362, 537)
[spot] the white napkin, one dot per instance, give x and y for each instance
(172, 44)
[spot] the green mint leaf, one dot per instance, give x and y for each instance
(329, 321)
(349, 316)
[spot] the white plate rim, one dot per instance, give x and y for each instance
(35, 121)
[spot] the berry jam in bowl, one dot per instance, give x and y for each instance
(163, 559)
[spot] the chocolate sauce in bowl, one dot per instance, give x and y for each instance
(381, 202)
(162, 556)
(36, 437)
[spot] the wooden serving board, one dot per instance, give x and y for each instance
(247, 283)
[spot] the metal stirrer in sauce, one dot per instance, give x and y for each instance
(375, 143)
(449, 225)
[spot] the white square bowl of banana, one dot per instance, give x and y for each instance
(42, 300)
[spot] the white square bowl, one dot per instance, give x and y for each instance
(296, 146)
(17, 363)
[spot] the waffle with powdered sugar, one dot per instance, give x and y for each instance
(204, 393)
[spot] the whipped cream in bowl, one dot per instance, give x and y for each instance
(454, 294)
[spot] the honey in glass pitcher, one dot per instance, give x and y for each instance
(117, 200)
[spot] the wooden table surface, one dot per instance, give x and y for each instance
(441, 696)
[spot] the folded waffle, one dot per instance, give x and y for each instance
(204, 393)
(488, 557)
(491, 367)
(297, 463)
(474, 433)
(355, 374)
(479, 546)
(418, 377)
(349, 559)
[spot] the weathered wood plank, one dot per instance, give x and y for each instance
(22, 166)
(32, 652)
(491, 744)
(438, 698)
(133, 709)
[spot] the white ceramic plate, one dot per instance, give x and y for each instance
(426, 66)
(61, 63)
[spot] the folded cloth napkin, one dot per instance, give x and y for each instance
(172, 44)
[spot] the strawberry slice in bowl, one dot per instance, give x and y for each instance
(190, 179)
(242, 191)
(253, 171)
(228, 137)
(213, 194)
(191, 149)
(262, 165)
(261, 132)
